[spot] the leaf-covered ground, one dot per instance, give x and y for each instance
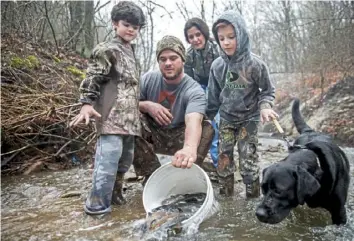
(39, 96)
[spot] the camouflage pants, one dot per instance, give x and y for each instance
(245, 135)
(164, 141)
(114, 153)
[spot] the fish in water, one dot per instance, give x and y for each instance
(172, 212)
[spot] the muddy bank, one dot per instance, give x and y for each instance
(333, 114)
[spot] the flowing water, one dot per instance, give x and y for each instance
(49, 206)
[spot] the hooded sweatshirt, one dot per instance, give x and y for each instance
(239, 85)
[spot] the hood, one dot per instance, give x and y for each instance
(243, 48)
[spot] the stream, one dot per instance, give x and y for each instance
(49, 206)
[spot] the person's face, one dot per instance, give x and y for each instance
(171, 64)
(196, 38)
(125, 30)
(227, 39)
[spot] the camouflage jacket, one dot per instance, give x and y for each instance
(112, 87)
(198, 62)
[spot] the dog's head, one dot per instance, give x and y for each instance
(284, 186)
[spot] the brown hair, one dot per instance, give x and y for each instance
(128, 11)
(221, 24)
(200, 25)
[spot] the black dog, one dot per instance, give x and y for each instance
(315, 172)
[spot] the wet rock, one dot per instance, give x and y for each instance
(71, 194)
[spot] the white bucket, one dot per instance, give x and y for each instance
(169, 180)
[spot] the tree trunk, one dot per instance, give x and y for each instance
(88, 29)
(76, 9)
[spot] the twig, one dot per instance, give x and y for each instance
(71, 152)
(51, 26)
(7, 160)
(49, 135)
(30, 145)
(156, 4)
(102, 6)
(67, 143)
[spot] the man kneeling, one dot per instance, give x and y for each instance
(173, 108)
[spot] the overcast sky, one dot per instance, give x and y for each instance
(164, 25)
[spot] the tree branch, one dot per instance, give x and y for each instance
(51, 26)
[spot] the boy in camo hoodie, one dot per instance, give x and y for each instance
(110, 93)
(241, 89)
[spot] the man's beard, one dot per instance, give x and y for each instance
(178, 72)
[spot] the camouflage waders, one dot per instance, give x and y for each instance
(245, 135)
(114, 156)
(164, 141)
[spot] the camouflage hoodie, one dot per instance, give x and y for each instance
(239, 85)
(112, 86)
(198, 62)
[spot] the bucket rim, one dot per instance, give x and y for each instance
(208, 192)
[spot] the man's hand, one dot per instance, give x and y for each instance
(268, 115)
(160, 114)
(185, 157)
(85, 113)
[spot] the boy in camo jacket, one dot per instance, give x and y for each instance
(110, 93)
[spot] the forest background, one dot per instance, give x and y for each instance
(308, 46)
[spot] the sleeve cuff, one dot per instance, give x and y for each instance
(86, 101)
(265, 105)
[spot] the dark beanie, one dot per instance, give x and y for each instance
(199, 24)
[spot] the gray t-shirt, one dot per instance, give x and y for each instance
(184, 98)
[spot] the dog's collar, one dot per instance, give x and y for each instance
(297, 147)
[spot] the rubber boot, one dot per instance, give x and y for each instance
(117, 194)
(145, 179)
(227, 185)
(208, 167)
(252, 189)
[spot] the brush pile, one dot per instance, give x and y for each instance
(39, 97)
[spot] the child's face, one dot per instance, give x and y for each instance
(196, 38)
(125, 30)
(227, 39)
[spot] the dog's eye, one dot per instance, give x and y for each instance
(276, 191)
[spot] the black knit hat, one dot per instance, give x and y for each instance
(128, 11)
(199, 24)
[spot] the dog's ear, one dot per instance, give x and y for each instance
(327, 154)
(306, 185)
(263, 172)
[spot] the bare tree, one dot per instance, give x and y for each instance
(88, 30)
(183, 10)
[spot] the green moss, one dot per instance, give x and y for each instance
(29, 63)
(17, 62)
(56, 59)
(75, 71)
(33, 61)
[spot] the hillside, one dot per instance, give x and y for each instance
(332, 114)
(39, 96)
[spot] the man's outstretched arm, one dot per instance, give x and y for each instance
(188, 154)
